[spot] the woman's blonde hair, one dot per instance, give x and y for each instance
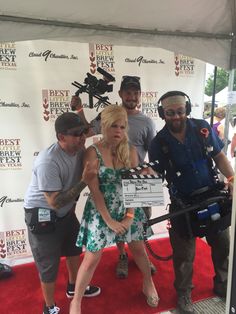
(220, 112)
(110, 115)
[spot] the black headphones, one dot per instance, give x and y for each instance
(169, 94)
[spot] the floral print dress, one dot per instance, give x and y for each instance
(94, 233)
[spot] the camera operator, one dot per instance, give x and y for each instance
(184, 149)
(141, 131)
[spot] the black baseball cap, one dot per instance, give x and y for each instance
(130, 81)
(68, 121)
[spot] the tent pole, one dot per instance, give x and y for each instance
(230, 298)
(227, 112)
(213, 96)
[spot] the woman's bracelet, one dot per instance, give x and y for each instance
(130, 215)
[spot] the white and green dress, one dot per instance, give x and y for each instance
(94, 233)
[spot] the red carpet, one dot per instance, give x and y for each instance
(21, 293)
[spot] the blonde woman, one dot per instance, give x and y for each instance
(105, 220)
(218, 125)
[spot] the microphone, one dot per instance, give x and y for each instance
(106, 75)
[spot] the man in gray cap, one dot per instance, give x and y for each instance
(141, 131)
(57, 181)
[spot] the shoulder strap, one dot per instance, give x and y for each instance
(170, 167)
(98, 153)
(204, 145)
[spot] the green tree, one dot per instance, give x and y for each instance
(222, 78)
(221, 81)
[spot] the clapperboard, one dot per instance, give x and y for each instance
(142, 190)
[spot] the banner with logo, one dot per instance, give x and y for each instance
(36, 86)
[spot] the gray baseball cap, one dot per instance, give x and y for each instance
(68, 121)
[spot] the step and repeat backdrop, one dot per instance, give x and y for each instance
(36, 86)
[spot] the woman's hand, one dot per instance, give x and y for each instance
(147, 171)
(76, 103)
(116, 226)
(230, 186)
(127, 222)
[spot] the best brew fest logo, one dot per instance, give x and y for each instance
(8, 56)
(10, 153)
(55, 102)
(101, 56)
(149, 104)
(13, 243)
(184, 66)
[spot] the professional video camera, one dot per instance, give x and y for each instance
(95, 88)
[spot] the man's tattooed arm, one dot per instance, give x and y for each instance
(59, 199)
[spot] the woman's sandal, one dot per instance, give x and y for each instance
(152, 300)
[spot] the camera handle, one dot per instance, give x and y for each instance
(84, 88)
(186, 209)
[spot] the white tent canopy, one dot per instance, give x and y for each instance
(220, 98)
(197, 28)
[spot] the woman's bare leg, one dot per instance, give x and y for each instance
(84, 276)
(141, 259)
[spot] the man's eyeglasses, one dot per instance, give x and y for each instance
(172, 113)
(77, 133)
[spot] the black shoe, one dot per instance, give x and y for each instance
(185, 305)
(51, 309)
(5, 271)
(91, 291)
(220, 289)
(70, 290)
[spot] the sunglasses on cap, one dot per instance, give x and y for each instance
(77, 133)
(172, 113)
(126, 77)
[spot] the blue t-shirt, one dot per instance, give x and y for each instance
(192, 170)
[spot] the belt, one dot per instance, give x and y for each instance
(29, 210)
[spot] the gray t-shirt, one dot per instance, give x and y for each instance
(53, 170)
(141, 131)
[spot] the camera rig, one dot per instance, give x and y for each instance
(95, 88)
(200, 227)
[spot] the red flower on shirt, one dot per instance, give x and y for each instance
(204, 132)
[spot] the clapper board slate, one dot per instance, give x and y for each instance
(142, 190)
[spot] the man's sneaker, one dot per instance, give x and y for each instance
(153, 268)
(91, 291)
(122, 267)
(185, 305)
(51, 309)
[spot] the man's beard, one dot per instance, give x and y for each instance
(176, 127)
(130, 105)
